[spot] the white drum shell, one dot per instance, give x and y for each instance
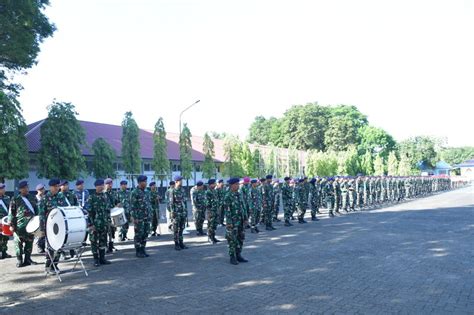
(33, 227)
(117, 215)
(66, 227)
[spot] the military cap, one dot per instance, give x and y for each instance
(269, 176)
(313, 180)
(53, 182)
(246, 179)
(262, 179)
(301, 180)
(233, 180)
(211, 181)
(39, 186)
(98, 182)
(199, 183)
(108, 181)
(253, 181)
(123, 182)
(286, 178)
(152, 184)
(178, 178)
(22, 184)
(64, 182)
(172, 183)
(79, 182)
(142, 178)
(2, 185)
(220, 181)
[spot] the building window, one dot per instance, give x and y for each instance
(176, 168)
(197, 167)
(146, 167)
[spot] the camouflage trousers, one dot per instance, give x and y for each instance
(301, 210)
(254, 216)
(235, 238)
(276, 208)
(360, 199)
(155, 219)
(141, 228)
(3, 243)
(352, 199)
(345, 200)
(314, 207)
(287, 210)
(212, 221)
(111, 232)
(98, 240)
(267, 215)
(220, 215)
(337, 201)
(330, 204)
(124, 228)
(23, 242)
(199, 217)
(179, 223)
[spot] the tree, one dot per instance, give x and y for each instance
(260, 130)
(185, 152)
(349, 163)
(404, 167)
(62, 137)
(161, 164)
(23, 26)
(367, 166)
(208, 167)
(233, 154)
(270, 165)
(457, 155)
(376, 140)
(13, 149)
(293, 163)
(392, 164)
(379, 168)
(322, 164)
(340, 134)
(248, 164)
(131, 145)
(103, 160)
(258, 163)
(419, 150)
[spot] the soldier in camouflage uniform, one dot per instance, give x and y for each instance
(4, 204)
(220, 195)
(329, 190)
(359, 187)
(314, 198)
(301, 200)
(212, 205)
(178, 213)
(345, 194)
(51, 200)
(98, 223)
(261, 214)
(244, 190)
(69, 196)
(287, 198)
(82, 195)
(337, 194)
(112, 202)
(352, 194)
(140, 208)
(168, 204)
(155, 208)
(198, 202)
(235, 222)
(22, 209)
(276, 198)
(40, 240)
(123, 196)
(254, 205)
(268, 203)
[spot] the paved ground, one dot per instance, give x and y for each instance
(416, 258)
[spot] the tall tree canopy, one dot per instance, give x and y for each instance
(376, 140)
(419, 150)
(131, 145)
(185, 152)
(208, 167)
(103, 160)
(161, 164)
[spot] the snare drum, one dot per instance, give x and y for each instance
(66, 228)
(6, 227)
(33, 227)
(117, 215)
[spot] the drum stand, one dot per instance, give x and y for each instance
(79, 251)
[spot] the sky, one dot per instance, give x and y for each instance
(407, 64)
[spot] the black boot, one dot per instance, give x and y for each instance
(110, 248)
(28, 261)
(139, 253)
(102, 259)
(331, 214)
(176, 246)
(215, 240)
(144, 251)
(252, 230)
(72, 252)
(233, 260)
(288, 223)
(96, 260)
(268, 228)
(241, 259)
(19, 261)
(5, 255)
(182, 246)
(257, 230)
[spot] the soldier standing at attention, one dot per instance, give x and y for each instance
(254, 205)
(220, 195)
(178, 213)
(99, 223)
(112, 199)
(155, 208)
(198, 202)
(314, 198)
(287, 198)
(168, 203)
(40, 241)
(337, 194)
(22, 209)
(345, 194)
(140, 210)
(235, 222)
(329, 190)
(244, 190)
(212, 206)
(123, 196)
(82, 194)
(268, 202)
(301, 200)
(69, 196)
(277, 198)
(4, 205)
(51, 200)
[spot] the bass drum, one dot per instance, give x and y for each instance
(66, 228)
